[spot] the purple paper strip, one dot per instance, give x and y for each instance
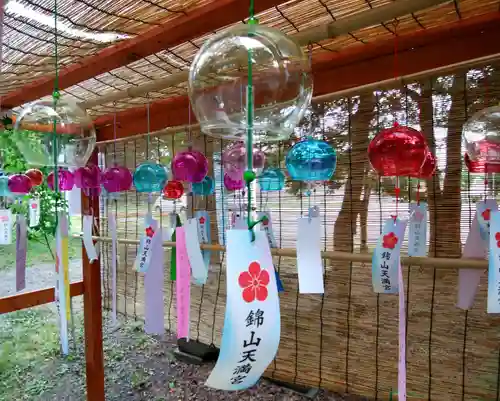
(469, 279)
(153, 289)
(21, 245)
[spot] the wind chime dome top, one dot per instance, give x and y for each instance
(220, 74)
(481, 136)
(34, 134)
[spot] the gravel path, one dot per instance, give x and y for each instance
(37, 277)
(139, 367)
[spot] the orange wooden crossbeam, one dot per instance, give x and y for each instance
(30, 299)
(198, 22)
(360, 65)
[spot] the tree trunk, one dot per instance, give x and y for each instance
(448, 242)
(363, 217)
(433, 190)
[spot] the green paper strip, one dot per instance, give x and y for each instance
(173, 255)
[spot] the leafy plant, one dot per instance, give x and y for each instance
(12, 162)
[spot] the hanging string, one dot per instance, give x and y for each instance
(311, 129)
(148, 126)
(486, 103)
(114, 134)
(249, 174)
(190, 143)
(397, 189)
(55, 98)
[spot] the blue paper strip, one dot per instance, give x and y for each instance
(385, 261)
(417, 230)
(494, 264)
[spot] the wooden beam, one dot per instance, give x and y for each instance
(198, 22)
(336, 28)
(92, 309)
(355, 67)
(34, 298)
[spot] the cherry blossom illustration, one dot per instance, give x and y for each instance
(254, 283)
(390, 240)
(486, 214)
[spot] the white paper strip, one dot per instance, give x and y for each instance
(469, 279)
(88, 222)
(198, 268)
(34, 212)
(74, 198)
(251, 332)
(5, 227)
(112, 231)
(62, 281)
(309, 263)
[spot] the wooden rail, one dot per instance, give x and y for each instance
(442, 263)
(34, 298)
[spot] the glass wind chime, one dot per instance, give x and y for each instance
(481, 139)
(261, 90)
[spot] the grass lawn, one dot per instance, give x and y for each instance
(39, 251)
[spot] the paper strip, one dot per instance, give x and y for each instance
(34, 212)
(484, 210)
(183, 286)
(267, 226)
(173, 252)
(494, 265)
(143, 259)
(469, 279)
(63, 300)
(238, 221)
(88, 223)
(385, 260)
(309, 263)
(204, 233)
(74, 198)
(112, 232)
(5, 227)
(198, 268)
(21, 248)
(417, 230)
(153, 290)
(279, 283)
(402, 338)
(251, 332)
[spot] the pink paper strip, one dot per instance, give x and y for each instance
(112, 230)
(182, 284)
(468, 279)
(402, 339)
(153, 289)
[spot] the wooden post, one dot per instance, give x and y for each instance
(92, 307)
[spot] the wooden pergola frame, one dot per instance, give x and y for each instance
(365, 65)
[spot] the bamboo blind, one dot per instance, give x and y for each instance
(346, 340)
